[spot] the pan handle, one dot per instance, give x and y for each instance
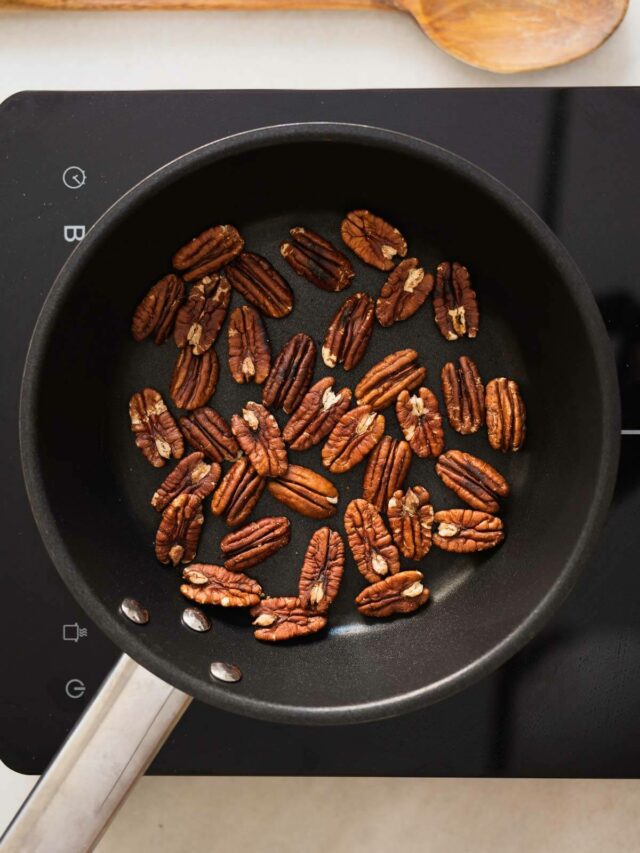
(111, 745)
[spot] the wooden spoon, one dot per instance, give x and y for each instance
(518, 35)
(498, 35)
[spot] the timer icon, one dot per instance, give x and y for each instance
(74, 177)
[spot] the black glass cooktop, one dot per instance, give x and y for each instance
(569, 704)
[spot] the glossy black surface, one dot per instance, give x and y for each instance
(493, 709)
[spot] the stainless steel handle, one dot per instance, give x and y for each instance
(111, 745)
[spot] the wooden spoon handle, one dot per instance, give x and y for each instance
(106, 5)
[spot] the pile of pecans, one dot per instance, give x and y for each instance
(350, 423)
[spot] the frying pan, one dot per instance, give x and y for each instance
(90, 488)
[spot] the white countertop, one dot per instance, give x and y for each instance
(182, 50)
(239, 50)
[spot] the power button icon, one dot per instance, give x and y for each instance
(74, 688)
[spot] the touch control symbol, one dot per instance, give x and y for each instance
(74, 688)
(74, 177)
(74, 233)
(73, 632)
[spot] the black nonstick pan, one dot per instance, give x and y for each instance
(90, 487)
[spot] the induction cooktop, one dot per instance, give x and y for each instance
(569, 703)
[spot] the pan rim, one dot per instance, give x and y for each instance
(221, 696)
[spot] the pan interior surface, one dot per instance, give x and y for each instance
(91, 487)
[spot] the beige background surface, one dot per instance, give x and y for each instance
(183, 50)
(305, 50)
(375, 815)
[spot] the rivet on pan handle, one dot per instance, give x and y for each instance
(111, 745)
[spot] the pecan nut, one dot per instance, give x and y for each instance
(255, 542)
(156, 313)
(208, 584)
(370, 542)
(404, 291)
(208, 432)
(191, 476)
(401, 593)
(352, 438)
(474, 481)
(194, 378)
(421, 422)
(467, 530)
(410, 516)
(454, 302)
(349, 332)
(464, 396)
(506, 415)
(278, 619)
(396, 372)
(306, 492)
(179, 531)
(202, 315)
(317, 260)
(249, 353)
(208, 252)
(259, 436)
(239, 491)
(386, 470)
(319, 411)
(157, 434)
(261, 284)
(291, 374)
(372, 239)
(322, 570)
